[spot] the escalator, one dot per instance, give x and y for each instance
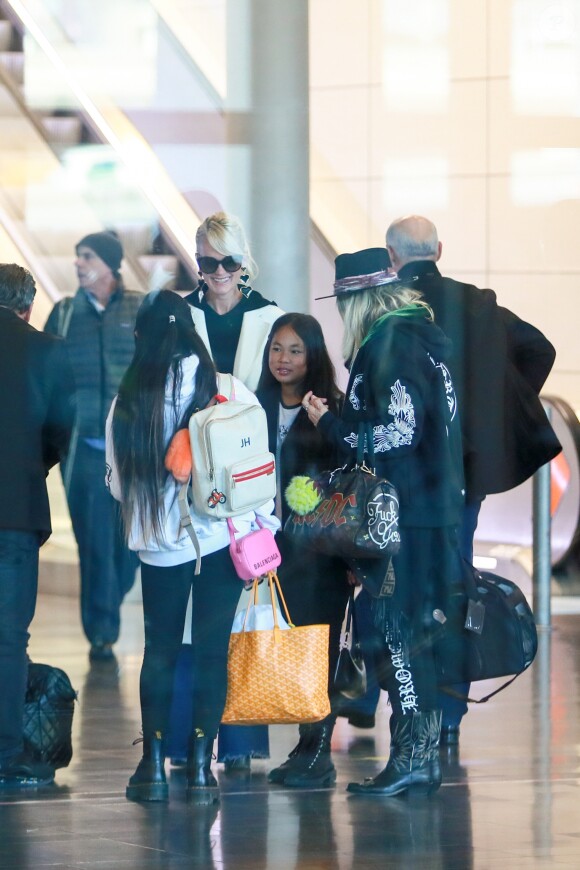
(69, 166)
(504, 531)
(163, 94)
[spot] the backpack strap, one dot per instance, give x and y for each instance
(187, 523)
(65, 310)
(226, 386)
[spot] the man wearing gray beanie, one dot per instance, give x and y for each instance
(98, 325)
(106, 246)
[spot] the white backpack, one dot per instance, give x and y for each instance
(233, 471)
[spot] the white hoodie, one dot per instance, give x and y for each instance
(177, 547)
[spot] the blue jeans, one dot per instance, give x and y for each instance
(234, 741)
(453, 709)
(107, 566)
(18, 589)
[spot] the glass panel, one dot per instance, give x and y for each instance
(72, 161)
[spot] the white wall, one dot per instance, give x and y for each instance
(469, 113)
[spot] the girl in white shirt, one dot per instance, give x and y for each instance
(170, 377)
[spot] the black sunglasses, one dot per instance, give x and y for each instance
(209, 265)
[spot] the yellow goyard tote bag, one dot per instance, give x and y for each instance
(277, 676)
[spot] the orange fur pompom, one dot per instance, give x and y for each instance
(178, 459)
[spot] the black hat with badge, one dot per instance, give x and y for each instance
(361, 270)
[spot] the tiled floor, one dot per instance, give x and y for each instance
(510, 797)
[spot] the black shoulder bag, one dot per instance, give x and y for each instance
(350, 677)
(358, 513)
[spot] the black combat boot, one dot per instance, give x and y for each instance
(414, 758)
(313, 768)
(148, 783)
(202, 787)
(23, 769)
(296, 757)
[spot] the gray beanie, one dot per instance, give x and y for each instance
(106, 246)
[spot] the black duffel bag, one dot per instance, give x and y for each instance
(489, 632)
(48, 715)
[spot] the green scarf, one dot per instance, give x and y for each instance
(412, 310)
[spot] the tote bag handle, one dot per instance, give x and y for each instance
(275, 590)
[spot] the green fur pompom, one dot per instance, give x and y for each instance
(302, 495)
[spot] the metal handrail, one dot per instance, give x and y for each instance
(542, 545)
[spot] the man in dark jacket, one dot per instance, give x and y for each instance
(499, 364)
(36, 418)
(98, 325)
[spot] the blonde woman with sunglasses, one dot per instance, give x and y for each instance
(232, 318)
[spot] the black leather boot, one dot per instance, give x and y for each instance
(449, 735)
(202, 787)
(313, 768)
(414, 758)
(23, 770)
(432, 751)
(148, 783)
(294, 760)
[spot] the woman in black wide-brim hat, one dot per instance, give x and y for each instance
(399, 384)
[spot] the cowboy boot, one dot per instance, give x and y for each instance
(201, 787)
(148, 783)
(413, 763)
(313, 768)
(432, 749)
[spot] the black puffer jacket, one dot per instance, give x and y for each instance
(399, 382)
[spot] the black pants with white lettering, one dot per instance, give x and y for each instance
(107, 566)
(424, 569)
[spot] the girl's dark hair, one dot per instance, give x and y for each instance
(164, 336)
(320, 374)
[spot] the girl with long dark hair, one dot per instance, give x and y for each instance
(170, 377)
(315, 586)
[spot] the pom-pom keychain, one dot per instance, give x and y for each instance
(178, 459)
(302, 495)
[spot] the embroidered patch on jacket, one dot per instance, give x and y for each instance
(400, 432)
(449, 389)
(352, 396)
(448, 384)
(396, 434)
